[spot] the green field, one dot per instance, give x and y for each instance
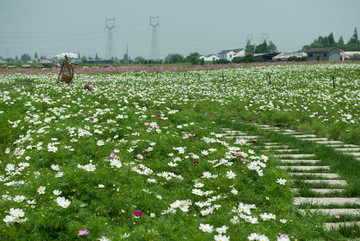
(140, 158)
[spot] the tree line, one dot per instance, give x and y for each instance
(353, 44)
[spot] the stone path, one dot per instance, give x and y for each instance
(304, 168)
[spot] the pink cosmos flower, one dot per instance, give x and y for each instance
(243, 159)
(113, 154)
(138, 213)
(283, 237)
(139, 156)
(146, 123)
(144, 150)
(337, 216)
(83, 232)
(238, 154)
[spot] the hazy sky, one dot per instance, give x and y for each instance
(50, 27)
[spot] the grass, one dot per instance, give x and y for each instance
(149, 123)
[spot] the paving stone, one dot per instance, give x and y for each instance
(330, 182)
(329, 142)
(242, 137)
(335, 211)
(305, 168)
(348, 149)
(286, 150)
(329, 226)
(323, 175)
(298, 161)
(314, 139)
(273, 146)
(320, 190)
(295, 155)
(304, 136)
(235, 132)
(326, 200)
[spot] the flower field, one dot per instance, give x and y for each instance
(141, 158)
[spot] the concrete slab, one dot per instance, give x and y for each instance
(336, 211)
(299, 161)
(297, 156)
(328, 226)
(320, 190)
(330, 182)
(305, 168)
(323, 175)
(327, 200)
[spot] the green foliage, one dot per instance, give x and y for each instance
(329, 41)
(25, 58)
(248, 58)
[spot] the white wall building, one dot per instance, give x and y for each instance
(209, 58)
(232, 53)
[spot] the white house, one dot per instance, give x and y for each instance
(232, 53)
(209, 58)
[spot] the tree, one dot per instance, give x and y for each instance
(176, 58)
(355, 38)
(250, 48)
(331, 39)
(272, 47)
(193, 58)
(140, 60)
(36, 56)
(262, 48)
(25, 58)
(341, 41)
(97, 57)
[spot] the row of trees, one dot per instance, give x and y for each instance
(264, 47)
(353, 44)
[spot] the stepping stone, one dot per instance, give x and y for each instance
(323, 175)
(330, 182)
(304, 136)
(348, 149)
(273, 146)
(235, 133)
(299, 161)
(329, 226)
(336, 211)
(329, 142)
(305, 168)
(314, 139)
(326, 200)
(286, 150)
(295, 155)
(320, 190)
(242, 137)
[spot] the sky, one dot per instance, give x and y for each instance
(51, 27)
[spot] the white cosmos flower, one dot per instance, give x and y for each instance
(206, 228)
(41, 190)
(57, 192)
(63, 202)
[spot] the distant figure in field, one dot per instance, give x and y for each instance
(89, 87)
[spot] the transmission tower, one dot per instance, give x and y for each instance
(265, 36)
(250, 37)
(154, 49)
(110, 49)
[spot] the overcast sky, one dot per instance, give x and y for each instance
(50, 27)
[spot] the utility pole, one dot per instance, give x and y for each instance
(110, 49)
(154, 49)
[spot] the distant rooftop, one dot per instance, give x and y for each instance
(322, 50)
